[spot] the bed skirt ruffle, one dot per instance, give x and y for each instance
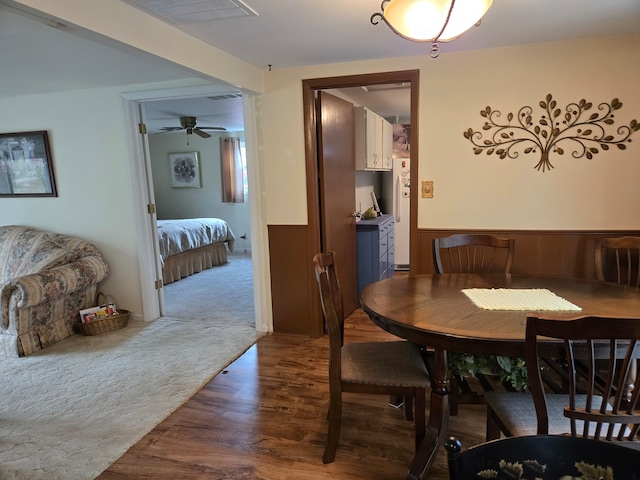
(193, 261)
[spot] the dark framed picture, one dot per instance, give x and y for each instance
(185, 170)
(26, 166)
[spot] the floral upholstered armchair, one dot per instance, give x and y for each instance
(46, 278)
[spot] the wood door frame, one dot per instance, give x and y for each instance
(309, 88)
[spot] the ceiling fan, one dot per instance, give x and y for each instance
(189, 124)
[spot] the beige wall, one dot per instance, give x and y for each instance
(89, 146)
(483, 191)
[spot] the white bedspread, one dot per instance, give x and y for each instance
(177, 236)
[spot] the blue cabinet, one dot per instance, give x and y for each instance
(374, 250)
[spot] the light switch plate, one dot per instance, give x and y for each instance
(427, 189)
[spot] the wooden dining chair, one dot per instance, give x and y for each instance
(471, 253)
(394, 368)
(590, 408)
(618, 260)
(541, 457)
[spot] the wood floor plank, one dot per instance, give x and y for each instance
(264, 418)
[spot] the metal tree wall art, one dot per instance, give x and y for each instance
(552, 132)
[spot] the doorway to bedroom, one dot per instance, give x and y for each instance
(226, 288)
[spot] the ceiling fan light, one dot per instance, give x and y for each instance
(425, 20)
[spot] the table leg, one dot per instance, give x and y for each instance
(438, 417)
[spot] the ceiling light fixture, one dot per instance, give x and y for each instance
(431, 20)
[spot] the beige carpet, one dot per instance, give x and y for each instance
(71, 410)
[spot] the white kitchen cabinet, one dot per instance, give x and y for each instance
(374, 137)
(387, 145)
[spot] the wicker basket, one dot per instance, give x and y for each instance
(107, 324)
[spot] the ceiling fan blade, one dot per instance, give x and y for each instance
(167, 130)
(200, 133)
(212, 128)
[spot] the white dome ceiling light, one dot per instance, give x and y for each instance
(431, 20)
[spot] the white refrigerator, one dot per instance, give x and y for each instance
(395, 192)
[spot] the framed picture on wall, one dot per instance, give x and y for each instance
(401, 141)
(184, 170)
(26, 167)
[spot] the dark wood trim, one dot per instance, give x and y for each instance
(309, 87)
(413, 173)
(314, 316)
(295, 301)
(568, 253)
(293, 284)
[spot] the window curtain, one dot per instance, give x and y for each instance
(232, 176)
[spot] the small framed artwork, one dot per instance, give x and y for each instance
(401, 141)
(184, 170)
(26, 166)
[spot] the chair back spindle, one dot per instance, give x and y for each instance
(332, 307)
(602, 411)
(618, 260)
(473, 253)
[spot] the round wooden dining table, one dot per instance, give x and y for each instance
(433, 311)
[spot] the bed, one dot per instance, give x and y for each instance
(188, 246)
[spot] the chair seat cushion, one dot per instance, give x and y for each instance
(384, 363)
(518, 413)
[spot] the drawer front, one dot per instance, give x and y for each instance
(383, 244)
(384, 266)
(391, 236)
(386, 236)
(375, 241)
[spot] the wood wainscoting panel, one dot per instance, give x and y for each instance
(537, 252)
(294, 291)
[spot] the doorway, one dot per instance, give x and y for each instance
(202, 206)
(315, 209)
(143, 193)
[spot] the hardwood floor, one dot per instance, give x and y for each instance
(264, 418)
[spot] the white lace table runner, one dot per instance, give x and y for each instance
(518, 299)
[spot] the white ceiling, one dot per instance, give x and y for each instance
(288, 33)
(38, 57)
